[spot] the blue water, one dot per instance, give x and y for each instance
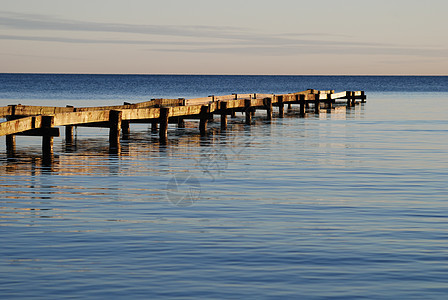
(347, 204)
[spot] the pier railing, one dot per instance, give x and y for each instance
(44, 120)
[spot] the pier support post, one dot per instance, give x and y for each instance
(125, 128)
(232, 112)
(115, 120)
(316, 103)
(10, 145)
(47, 139)
(180, 122)
(363, 97)
(163, 119)
(302, 105)
(223, 107)
(204, 117)
(69, 134)
(154, 126)
(248, 111)
(329, 102)
(353, 99)
(268, 105)
(281, 112)
(69, 130)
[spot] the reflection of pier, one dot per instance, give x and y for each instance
(44, 121)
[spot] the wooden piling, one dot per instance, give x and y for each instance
(47, 139)
(329, 102)
(223, 107)
(268, 106)
(204, 117)
(350, 96)
(10, 145)
(281, 112)
(353, 99)
(163, 120)
(69, 131)
(115, 120)
(248, 111)
(154, 126)
(180, 122)
(363, 97)
(69, 134)
(316, 103)
(125, 128)
(302, 105)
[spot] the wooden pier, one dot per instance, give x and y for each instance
(45, 121)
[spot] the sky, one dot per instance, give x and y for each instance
(281, 37)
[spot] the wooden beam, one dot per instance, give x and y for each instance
(5, 111)
(20, 125)
(53, 131)
(75, 118)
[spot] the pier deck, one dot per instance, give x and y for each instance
(44, 121)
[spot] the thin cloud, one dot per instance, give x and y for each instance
(97, 41)
(39, 22)
(243, 36)
(308, 49)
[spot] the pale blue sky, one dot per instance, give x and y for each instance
(224, 37)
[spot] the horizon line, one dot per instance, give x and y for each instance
(216, 74)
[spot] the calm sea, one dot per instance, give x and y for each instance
(347, 204)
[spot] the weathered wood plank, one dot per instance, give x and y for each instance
(185, 110)
(84, 117)
(168, 102)
(225, 98)
(28, 110)
(5, 111)
(264, 96)
(198, 101)
(20, 125)
(235, 103)
(141, 113)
